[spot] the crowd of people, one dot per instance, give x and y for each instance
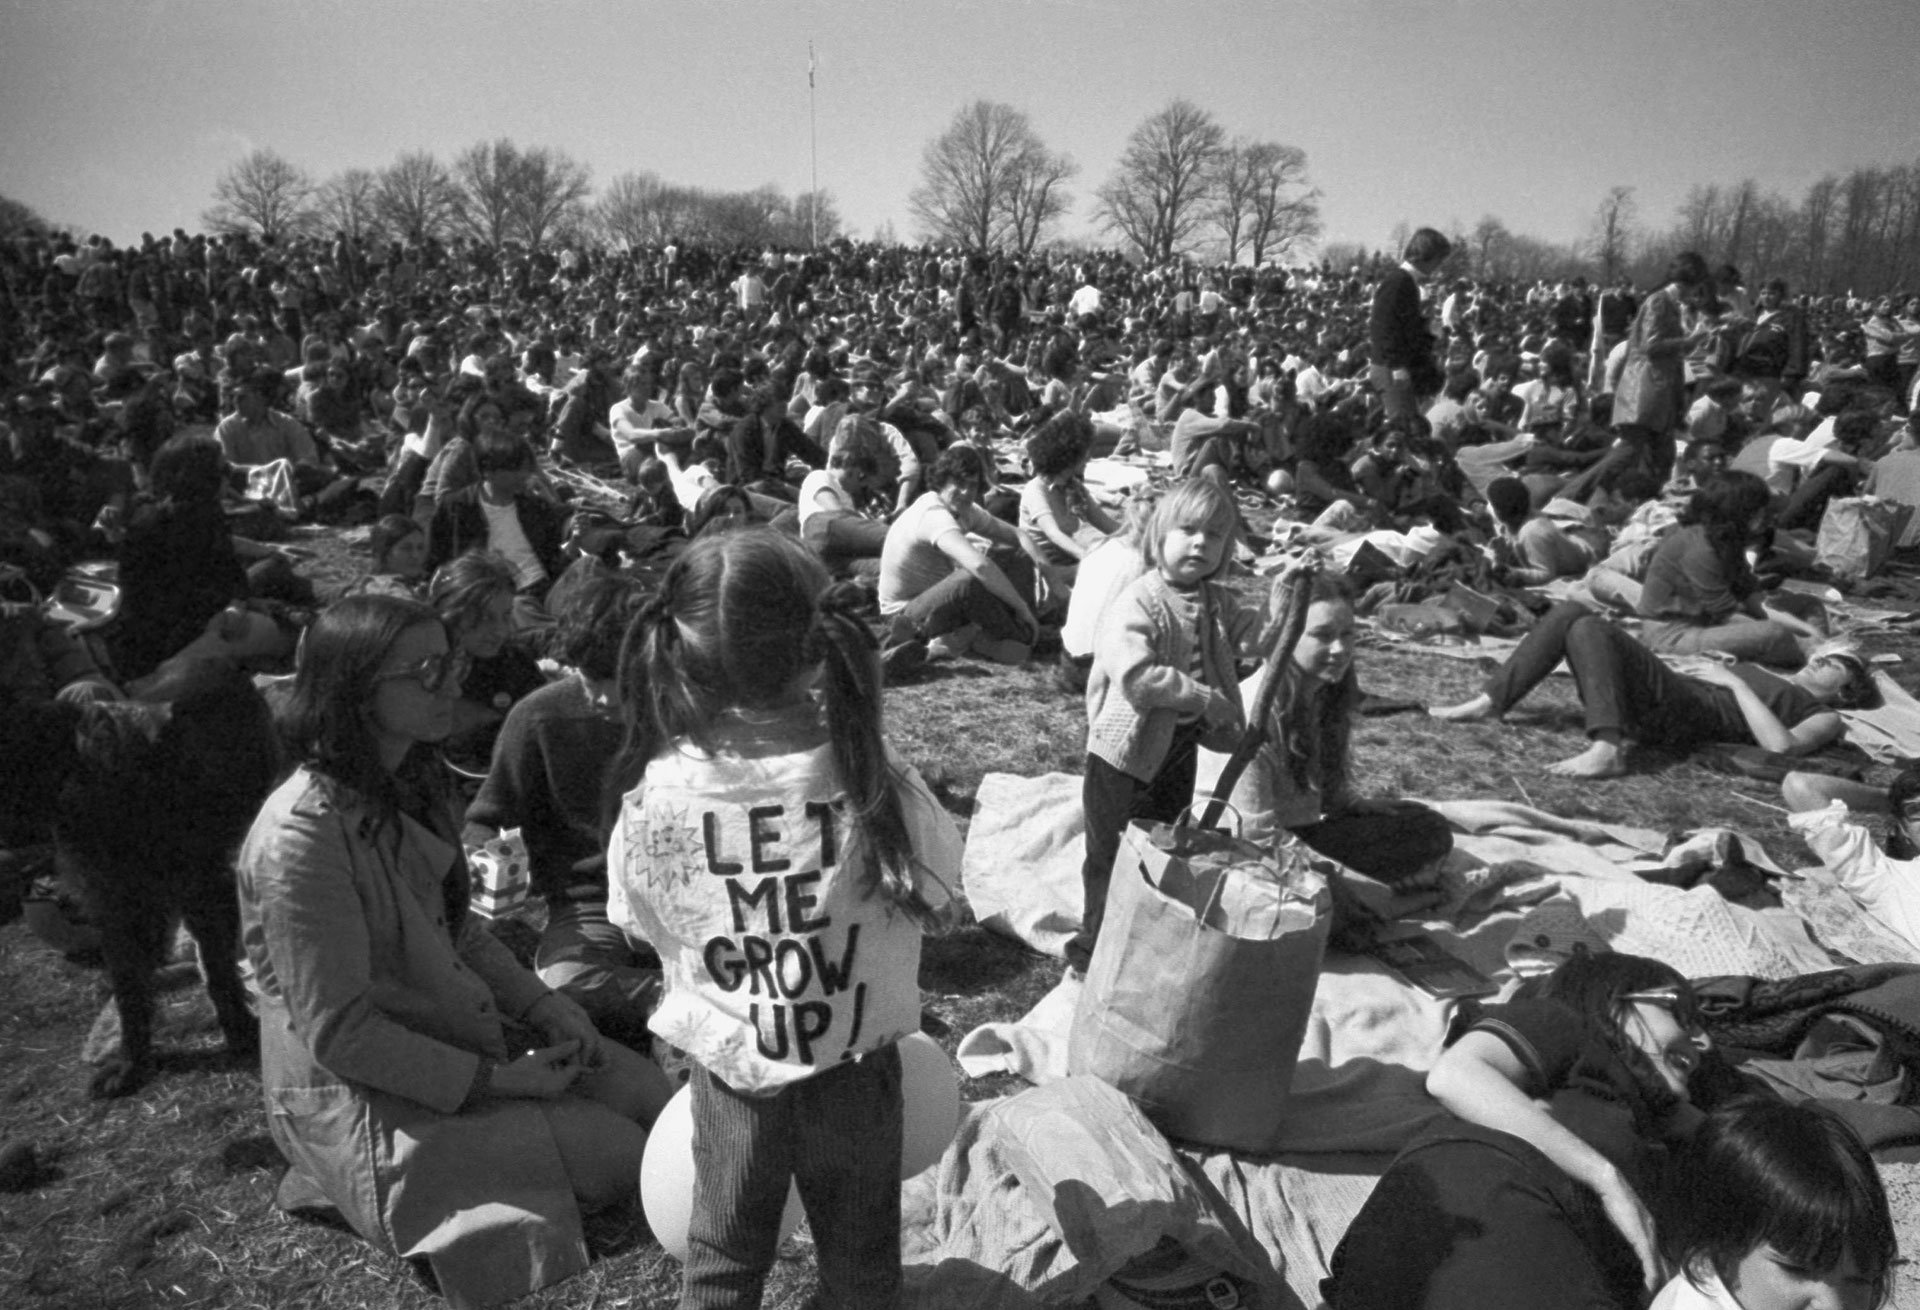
(651, 530)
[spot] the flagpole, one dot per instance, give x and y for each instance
(813, 133)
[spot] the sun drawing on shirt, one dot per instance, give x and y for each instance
(669, 843)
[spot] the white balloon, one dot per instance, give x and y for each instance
(930, 1091)
(930, 1098)
(666, 1179)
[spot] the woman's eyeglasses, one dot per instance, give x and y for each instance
(434, 672)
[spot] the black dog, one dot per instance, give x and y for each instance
(147, 804)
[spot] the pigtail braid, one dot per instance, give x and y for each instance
(852, 688)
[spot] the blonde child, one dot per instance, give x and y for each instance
(1163, 682)
(782, 860)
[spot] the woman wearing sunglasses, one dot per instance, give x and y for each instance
(1534, 1190)
(422, 1084)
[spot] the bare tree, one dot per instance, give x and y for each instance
(548, 188)
(1816, 232)
(416, 197)
(1702, 220)
(263, 194)
(1260, 198)
(1491, 241)
(346, 203)
(486, 175)
(815, 217)
(1155, 199)
(18, 218)
(1038, 197)
(1613, 232)
(628, 211)
(988, 180)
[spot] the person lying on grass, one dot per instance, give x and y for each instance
(1630, 695)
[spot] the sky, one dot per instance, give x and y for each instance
(116, 116)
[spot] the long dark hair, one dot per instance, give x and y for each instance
(1315, 724)
(1595, 984)
(324, 722)
(1788, 1177)
(739, 617)
(1725, 507)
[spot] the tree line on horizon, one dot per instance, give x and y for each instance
(1856, 234)
(1181, 187)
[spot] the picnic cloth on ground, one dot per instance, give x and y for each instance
(1044, 1195)
(1021, 872)
(1021, 867)
(1360, 1084)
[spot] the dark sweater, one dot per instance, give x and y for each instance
(548, 765)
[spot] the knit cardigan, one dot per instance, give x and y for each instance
(1139, 687)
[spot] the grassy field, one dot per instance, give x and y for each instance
(164, 1198)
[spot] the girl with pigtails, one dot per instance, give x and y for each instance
(783, 861)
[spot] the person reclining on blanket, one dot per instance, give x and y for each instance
(1885, 880)
(1630, 695)
(1551, 1184)
(1531, 549)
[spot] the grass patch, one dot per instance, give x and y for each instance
(165, 1199)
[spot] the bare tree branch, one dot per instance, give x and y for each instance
(1156, 197)
(262, 194)
(346, 203)
(988, 180)
(416, 198)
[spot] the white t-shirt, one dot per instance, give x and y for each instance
(1798, 453)
(1108, 570)
(817, 481)
(737, 867)
(505, 535)
(911, 561)
(630, 424)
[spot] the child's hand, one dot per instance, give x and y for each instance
(1222, 711)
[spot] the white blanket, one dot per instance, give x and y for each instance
(1359, 1089)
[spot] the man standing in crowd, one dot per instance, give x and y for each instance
(1404, 369)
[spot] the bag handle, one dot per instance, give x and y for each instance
(1216, 803)
(1290, 620)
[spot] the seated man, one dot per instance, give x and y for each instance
(273, 449)
(1805, 473)
(548, 763)
(1206, 446)
(937, 586)
(334, 407)
(641, 420)
(833, 521)
(501, 514)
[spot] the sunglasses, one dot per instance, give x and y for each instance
(433, 673)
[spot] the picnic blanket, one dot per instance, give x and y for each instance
(1359, 1091)
(1021, 873)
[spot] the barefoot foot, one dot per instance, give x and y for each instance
(1603, 759)
(1467, 711)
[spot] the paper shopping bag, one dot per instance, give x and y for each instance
(1202, 981)
(1857, 533)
